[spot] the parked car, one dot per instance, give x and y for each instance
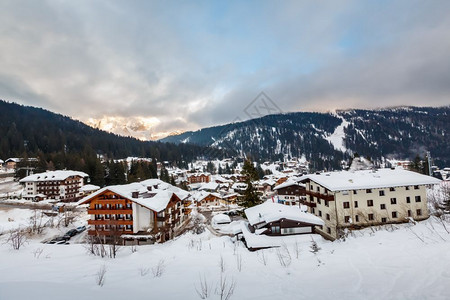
(71, 233)
(81, 229)
(58, 240)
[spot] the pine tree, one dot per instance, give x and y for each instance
(250, 196)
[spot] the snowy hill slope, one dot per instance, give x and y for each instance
(391, 262)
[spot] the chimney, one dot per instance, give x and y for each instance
(135, 195)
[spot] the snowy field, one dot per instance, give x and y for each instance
(395, 262)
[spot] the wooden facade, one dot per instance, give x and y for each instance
(114, 215)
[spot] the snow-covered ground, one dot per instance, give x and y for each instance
(393, 262)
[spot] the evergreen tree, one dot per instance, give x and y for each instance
(250, 196)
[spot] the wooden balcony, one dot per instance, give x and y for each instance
(111, 201)
(110, 222)
(162, 219)
(107, 232)
(310, 204)
(103, 211)
(187, 211)
(187, 203)
(320, 196)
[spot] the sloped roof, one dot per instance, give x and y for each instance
(157, 198)
(368, 179)
(287, 183)
(53, 175)
(270, 212)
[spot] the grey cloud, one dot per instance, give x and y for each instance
(193, 65)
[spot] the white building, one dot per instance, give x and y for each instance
(63, 185)
(363, 198)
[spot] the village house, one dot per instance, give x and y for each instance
(147, 211)
(290, 192)
(355, 199)
(1, 163)
(62, 185)
(275, 219)
(11, 163)
(198, 178)
(88, 189)
(229, 199)
(206, 199)
(265, 185)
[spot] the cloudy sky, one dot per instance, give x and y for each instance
(182, 65)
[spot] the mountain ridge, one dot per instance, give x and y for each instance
(328, 138)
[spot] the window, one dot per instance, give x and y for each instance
(318, 201)
(409, 213)
(393, 200)
(328, 230)
(311, 187)
(407, 188)
(368, 191)
(318, 188)
(408, 199)
(382, 206)
(328, 217)
(356, 204)
(326, 203)
(346, 204)
(275, 229)
(392, 189)
(128, 217)
(394, 214)
(369, 202)
(381, 193)
(371, 217)
(383, 220)
(419, 212)
(129, 227)
(320, 213)
(107, 217)
(347, 219)
(354, 192)
(418, 199)
(416, 187)
(128, 205)
(313, 210)
(356, 218)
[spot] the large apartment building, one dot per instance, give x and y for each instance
(150, 210)
(63, 185)
(364, 198)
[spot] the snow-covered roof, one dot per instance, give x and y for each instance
(367, 179)
(53, 175)
(153, 194)
(199, 196)
(14, 159)
(220, 219)
(1, 161)
(230, 195)
(270, 212)
(239, 185)
(89, 188)
(287, 183)
(209, 186)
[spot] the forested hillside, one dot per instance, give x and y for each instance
(327, 138)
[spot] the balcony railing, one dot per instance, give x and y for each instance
(104, 211)
(321, 196)
(110, 222)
